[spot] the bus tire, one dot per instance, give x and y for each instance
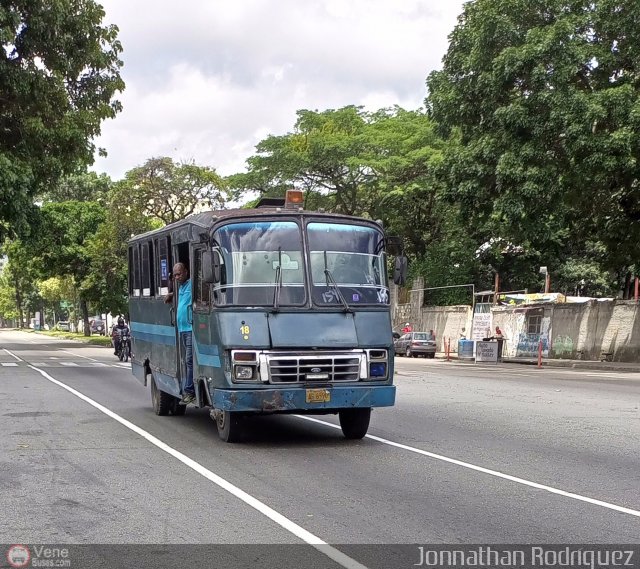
(229, 426)
(162, 402)
(355, 422)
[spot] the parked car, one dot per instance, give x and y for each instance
(63, 325)
(414, 344)
(98, 327)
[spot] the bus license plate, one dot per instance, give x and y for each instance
(318, 396)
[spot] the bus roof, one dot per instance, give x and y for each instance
(208, 219)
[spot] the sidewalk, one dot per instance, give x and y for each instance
(631, 367)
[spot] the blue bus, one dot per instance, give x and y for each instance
(290, 314)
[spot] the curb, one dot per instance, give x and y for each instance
(623, 367)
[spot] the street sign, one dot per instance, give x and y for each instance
(481, 326)
(487, 352)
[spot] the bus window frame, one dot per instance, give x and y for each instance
(196, 282)
(224, 287)
(147, 269)
(162, 290)
(134, 271)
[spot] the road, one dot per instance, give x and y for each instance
(468, 455)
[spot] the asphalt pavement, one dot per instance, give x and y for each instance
(469, 454)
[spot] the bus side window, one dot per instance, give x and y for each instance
(134, 270)
(201, 290)
(146, 254)
(163, 273)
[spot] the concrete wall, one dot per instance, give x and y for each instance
(446, 321)
(569, 331)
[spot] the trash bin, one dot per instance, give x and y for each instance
(465, 349)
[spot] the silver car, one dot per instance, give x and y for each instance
(414, 344)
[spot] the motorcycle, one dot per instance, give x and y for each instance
(125, 348)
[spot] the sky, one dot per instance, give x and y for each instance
(206, 80)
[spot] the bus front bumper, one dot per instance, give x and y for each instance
(303, 398)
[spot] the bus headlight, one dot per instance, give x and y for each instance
(378, 369)
(378, 360)
(244, 373)
(245, 365)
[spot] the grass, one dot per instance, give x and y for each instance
(93, 340)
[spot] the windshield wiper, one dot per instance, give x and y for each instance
(332, 281)
(278, 282)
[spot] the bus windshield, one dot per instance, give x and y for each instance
(351, 256)
(264, 264)
(252, 252)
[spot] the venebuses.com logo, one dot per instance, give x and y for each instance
(18, 556)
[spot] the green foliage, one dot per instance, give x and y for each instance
(384, 165)
(81, 187)
(59, 72)
(543, 97)
(325, 155)
(62, 234)
(169, 192)
(20, 277)
(406, 155)
(107, 251)
(8, 307)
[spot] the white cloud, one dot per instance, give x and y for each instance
(207, 80)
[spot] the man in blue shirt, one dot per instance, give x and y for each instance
(181, 275)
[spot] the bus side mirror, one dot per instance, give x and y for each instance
(400, 270)
(211, 267)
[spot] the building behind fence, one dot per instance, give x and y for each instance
(591, 330)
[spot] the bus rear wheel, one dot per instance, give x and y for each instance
(162, 402)
(355, 422)
(229, 425)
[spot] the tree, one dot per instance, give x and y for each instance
(8, 308)
(59, 72)
(58, 292)
(108, 254)
(80, 187)
(543, 98)
(324, 155)
(385, 165)
(61, 242)
(169, 192)
(21, 273)
(406, 154)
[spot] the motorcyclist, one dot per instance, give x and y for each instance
(117, 333)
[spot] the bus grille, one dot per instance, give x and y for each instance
(291, 369)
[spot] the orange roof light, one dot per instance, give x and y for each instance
(294, 198)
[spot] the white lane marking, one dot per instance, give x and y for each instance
(71, 364)
(301, 533)
(78, 355)
(489, 471)
(9, 364)
(13, 355)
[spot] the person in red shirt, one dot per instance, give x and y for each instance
(407, 328)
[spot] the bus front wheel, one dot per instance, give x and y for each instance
(229, 425)
(355, 422)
